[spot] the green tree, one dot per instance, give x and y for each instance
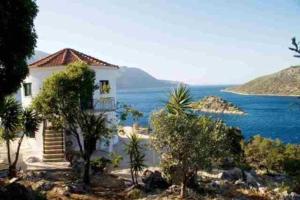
(263, 153)
(94, 128)
(13, 120)
(185, 140)
(127, 111)
(66, 94)
(17, 42)
(65, 101)
(189, 143)
(136, 156)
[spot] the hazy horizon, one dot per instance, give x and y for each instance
(196, 42)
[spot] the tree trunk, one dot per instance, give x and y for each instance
(11, 169)
(86, 175)
(13, 166)
(183, 187)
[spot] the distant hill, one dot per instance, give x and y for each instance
(37, 56)
(131, 78)
(283, 83)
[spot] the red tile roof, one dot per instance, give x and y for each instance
(67, 56)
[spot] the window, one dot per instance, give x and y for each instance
(27, 89)
(104, 87)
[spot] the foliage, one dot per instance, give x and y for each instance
(127, 111)
(94, 128)
(99, 164)
(179, 101)
(272, 155)
(105, 89)
(18, 39)
(65, 93)
(136, 156)
(188, 142)
(65, 99)
(13, 120)
(115, 159)
(10, 112)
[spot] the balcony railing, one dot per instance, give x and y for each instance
(104, 104)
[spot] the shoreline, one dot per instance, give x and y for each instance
(247, 94)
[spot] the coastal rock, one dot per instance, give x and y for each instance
(214, 104)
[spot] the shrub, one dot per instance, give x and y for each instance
(99, 164)
(273, 156)
(115, 159)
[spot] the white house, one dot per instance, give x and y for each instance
(51, 144)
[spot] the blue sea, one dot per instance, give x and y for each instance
(269, 116)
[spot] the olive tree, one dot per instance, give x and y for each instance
(188, 141)
(17, 42)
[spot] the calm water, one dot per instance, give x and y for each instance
(274, 117)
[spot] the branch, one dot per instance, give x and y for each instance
(295, 47)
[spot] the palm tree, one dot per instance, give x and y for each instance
(179, 101)
(136, 156)
(12, 121)
(94, 128)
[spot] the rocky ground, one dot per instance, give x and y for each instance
(63, 185)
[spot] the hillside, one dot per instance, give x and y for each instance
(283, 83)
(131, 78)
(37, 55)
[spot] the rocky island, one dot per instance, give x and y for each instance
(214, 104)
(283, 83)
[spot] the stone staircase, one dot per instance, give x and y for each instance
(53, 146)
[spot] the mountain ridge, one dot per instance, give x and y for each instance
(129, 77)
(285, 82)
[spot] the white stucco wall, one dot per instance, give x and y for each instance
(37, 75)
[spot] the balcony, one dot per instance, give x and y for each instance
(104, 104)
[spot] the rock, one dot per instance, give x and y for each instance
(154, 180)
(43, 185)
(33, 159)
(241, 184)
(173, 189)
(232, 174)
(77, 188)
(292, 196)
(61, 191)
(251, 179)
(215, 186)
(263, 190)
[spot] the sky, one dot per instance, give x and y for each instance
(198, 42)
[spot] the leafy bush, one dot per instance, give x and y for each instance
(99, 164)
(273, 156)
(115, 159)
